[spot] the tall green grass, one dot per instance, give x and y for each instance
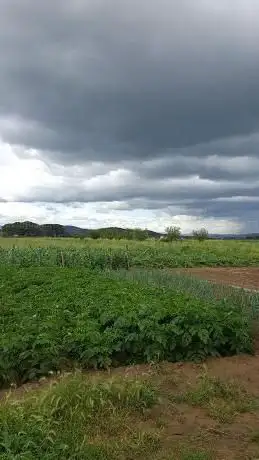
(70, 257)
(25, 252)
(76, 419)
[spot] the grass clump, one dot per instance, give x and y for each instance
(53, 319)
(76, 419)
(223, 400)
(195, 455)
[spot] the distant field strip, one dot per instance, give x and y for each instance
(26, 252)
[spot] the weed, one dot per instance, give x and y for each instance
(71, 420)
(222, 399)
(195, 455)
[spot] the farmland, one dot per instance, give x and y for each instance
(118, 253)
(98, 306)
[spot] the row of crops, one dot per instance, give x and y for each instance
(54, 319)
(153, 255)
(246, 299)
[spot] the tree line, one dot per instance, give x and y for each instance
(121, 233)
(174, 234)
(31, 229)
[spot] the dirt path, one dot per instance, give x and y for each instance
(242, 277)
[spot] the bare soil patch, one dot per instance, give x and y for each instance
(242, 277)
(180, 425)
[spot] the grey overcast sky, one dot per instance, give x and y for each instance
(130, 112)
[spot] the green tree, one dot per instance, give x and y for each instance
(139, 234)
(201, 234)
(52, 230)
(173, 233)
(32, 229)
(95, 234)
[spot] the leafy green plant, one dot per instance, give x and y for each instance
(53, 319)
(248, 301)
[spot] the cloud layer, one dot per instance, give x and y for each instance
(130, 111)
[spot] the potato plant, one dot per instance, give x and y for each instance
(53, 319)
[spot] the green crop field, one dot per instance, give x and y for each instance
(69, 304)
(57, 318)
(76, 252)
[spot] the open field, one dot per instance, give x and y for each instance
(118, 254)
(80, 304)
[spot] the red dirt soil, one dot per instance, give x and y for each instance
(243, 277)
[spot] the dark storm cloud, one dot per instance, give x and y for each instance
(245, 206)
(112, 80)
(235, 209)
(164, 192)
(244, 210)
(167, 89)
(214, 167)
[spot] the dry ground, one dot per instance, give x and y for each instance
(247, 277)
(191, 416)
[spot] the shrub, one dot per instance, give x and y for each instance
(201, 234)
(173, 233)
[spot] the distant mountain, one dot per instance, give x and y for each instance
(123, 231)
(234, 236)
(72, 230)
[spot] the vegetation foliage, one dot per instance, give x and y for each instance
(76, 419)
(93, 303)
(172, 234)
(69, 252)
(224, 400)
(201, 234)
(200, 289)
(30, 229)
(53, 319)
